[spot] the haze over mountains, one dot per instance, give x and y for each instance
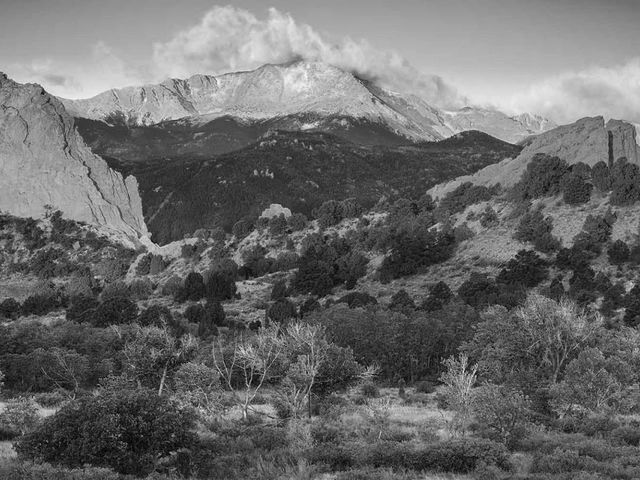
(301, 95)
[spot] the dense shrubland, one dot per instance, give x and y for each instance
(339, 344)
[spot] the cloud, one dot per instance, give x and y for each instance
(100, 71)
(231, 39)
(613, 92)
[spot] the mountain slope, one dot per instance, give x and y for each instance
(299, 170)
(589, 140)
(292, 90)
(44, 161)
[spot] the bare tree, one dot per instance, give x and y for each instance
(458, 379)
(252, 359)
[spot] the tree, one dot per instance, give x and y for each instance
(625, 183)
(198, 385)
(220, 286)
(152, 354)
(66, 369)
(279, 290)
(576, 191)
(129, 431)
(592, 382)
(193, 288)
(281, 311)
(114, 311)
(458, 379)
(535, 228)
(526, 268)
(306, 347)
(601, 177)
(503, 411)
(254, 357)
(544, 176)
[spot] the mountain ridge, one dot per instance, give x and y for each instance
(294, 88)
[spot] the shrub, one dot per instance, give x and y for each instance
(601, 177)
(535, 228)
(220, 286)
(277, 225)
(144, 264)
(117, 289)
(114, 311)
(157, 265)
(489, 217)
(576, 191)
(127, 431)
(502, 412)
(193, 288)
(463, 232)
(279, 290)
(618, 252)
(357, 299)
(439, 295)
(526, 268)
(543, 177)
(141, 288)
(369, 390)
(286, 261)
(625, 184)
(19, 417)
(465, 195)
(81, 308)
(281, 311)
(172, 286)
(241, 229)
(424, 387)
(39, 304)
(297, 222)
(10, 309)
(401, 301)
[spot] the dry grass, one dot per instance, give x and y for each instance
(6, 451)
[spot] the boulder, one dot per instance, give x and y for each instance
(275, 210)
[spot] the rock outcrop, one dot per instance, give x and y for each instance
(589, 140)
(44, 161)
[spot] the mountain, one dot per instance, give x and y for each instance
(300, 96)
(497, 124)
(589, 140)
(299, 170)
(44, 161)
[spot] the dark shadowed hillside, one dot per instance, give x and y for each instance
(299, 171)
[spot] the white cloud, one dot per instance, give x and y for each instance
(102, 70)
(613, 92)
(231, 39)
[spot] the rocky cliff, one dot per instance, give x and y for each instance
(44, 161)
(589, 140)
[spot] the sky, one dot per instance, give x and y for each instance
(560, 58)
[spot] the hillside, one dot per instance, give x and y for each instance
(299, 171)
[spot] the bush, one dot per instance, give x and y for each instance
(19, 417)
(526, 268)
(625, 184)
(279, 290)
(157, 265)
(601, 177)
(193, 288)
(297, 222)
(424, 387)
(39, 304)
(141, 288)
(114, 311)
(286, 261)
(576, 191)
(127, 431)
(618, 252)
(241, 229)
(10, 309)
(277, 225)
(358, 299)
(489, 217)
(81, 308)
(465, 195)
(535, 228)
(220, 286)
(369, 390)
(544, 176)
(172, 286)
(282, 311)
(117, 289)
(144, 265)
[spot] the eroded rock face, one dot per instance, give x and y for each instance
(275, 210)
(588, 140)
(44, 161)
